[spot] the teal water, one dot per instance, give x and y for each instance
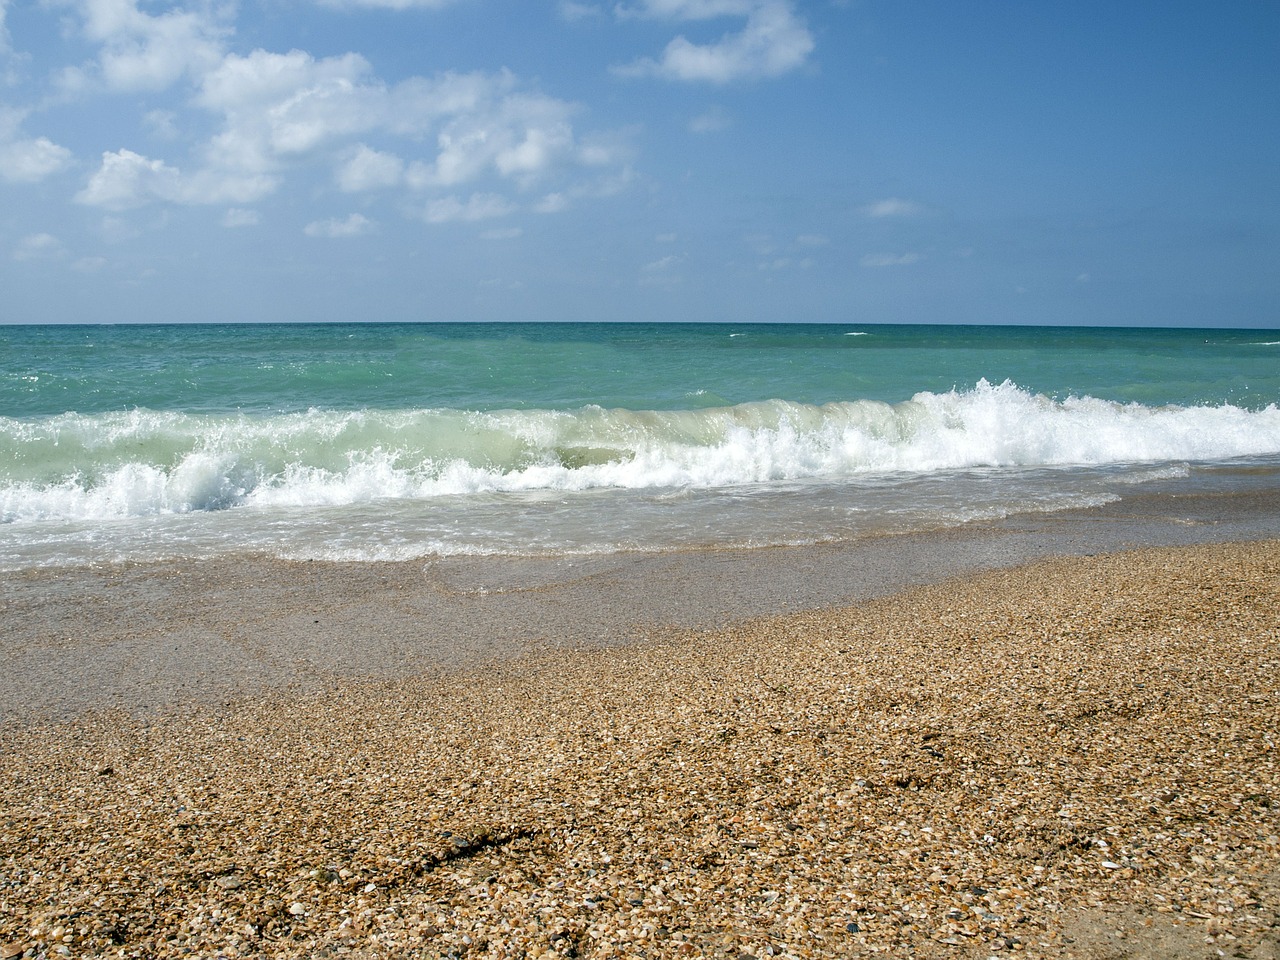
(372, 441)
(47, 370)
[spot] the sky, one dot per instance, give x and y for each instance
(843, 161)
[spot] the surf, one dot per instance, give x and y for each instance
(143, 463)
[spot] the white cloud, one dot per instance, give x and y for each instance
(280, 108)
(893, 207)
(275, 105)
(480, 206)
(282, 105)
(239, 217)
(127, 179)
(277, 108)
(144, 52)
(275, 112)
(519, 137)
(889, 259)
(773, 41)
(38, 246)
(353, 226)
(4, 33)
(368, 169)
(28, 161)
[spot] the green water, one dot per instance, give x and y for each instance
(277, 368)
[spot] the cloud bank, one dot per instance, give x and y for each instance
(273, 113)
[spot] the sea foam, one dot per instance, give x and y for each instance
(143, 462)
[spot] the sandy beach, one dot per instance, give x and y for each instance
(1074, 757)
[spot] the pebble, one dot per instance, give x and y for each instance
(591, 804)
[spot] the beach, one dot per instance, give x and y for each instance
(1064, 756)
(636, 480)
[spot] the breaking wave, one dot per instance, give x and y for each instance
(143, 462)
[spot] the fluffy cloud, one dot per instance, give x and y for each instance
(773, 41)
(23, 159)
(127, 179)
(277, 110)
(273, 113)
(144, 52)
(353, 226)
(519, 137)
(278, 107)
(28, 161)
(367, 169)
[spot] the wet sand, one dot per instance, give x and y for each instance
(156, 636)
(1071, 757)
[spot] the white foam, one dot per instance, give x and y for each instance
(144, 463)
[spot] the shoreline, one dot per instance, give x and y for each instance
(154, 636)
(1074, 757)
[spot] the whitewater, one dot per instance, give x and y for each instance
(286, 443)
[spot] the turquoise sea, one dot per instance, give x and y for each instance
(389, 442)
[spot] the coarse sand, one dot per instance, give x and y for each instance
(1075, 758)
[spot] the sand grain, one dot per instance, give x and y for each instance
(1076, 758)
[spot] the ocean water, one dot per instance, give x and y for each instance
(391, 442)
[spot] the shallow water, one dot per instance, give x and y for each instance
(388, 442)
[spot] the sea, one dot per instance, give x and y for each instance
(392, 442)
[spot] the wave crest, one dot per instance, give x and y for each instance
(145, 462)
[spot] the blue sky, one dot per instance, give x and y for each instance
(727, 160)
